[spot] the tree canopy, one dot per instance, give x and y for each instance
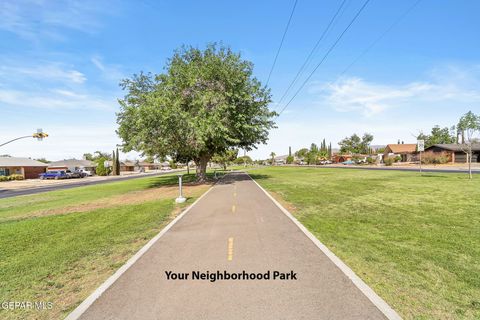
(437, 136)
(206, 102)
(356, 145)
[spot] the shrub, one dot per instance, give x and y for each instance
(101, 170)
(435, 158)
(370, 160)
(388, 161)
(173, 164)
(289, 159)
(15, 177)
(4, 178)
(398, 159)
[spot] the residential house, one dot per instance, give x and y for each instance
(28, 168)
(279, 160)
(407, 151)
(455, 152)
(339, 158)
(72, 165)
(147, 166)
(127, 166)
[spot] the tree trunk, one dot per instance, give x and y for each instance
(469, 159)
(202, 168)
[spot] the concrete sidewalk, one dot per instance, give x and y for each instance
(236, 227)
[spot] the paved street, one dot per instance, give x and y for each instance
(235, 227)
(26, 187)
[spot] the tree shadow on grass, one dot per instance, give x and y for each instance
(172, 180)
(427, 175)
(191, 179)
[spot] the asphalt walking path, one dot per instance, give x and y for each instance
(236, 227)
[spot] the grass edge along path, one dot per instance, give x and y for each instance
(412, 238)
(62, 258)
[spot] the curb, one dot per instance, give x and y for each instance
(362, 286)
(78, 311)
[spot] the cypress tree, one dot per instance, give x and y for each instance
(117, 164)
(114, 163)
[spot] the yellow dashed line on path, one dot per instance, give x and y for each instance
(230, 249)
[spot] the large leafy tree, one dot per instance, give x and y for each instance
(225, 158)
(205, 103)
(302, 153)
(438, 136)
(356, 145)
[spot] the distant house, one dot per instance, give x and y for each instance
(72, 165)
(339, 158)
(406, 151)
(280, 160)
(127, 166)
(455, 152)
(149, 165)
(28, 168)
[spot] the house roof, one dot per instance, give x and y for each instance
(145, 163)
(281, 157)
(20, 162)
(72, 163)
(454, 146)
(402, 148)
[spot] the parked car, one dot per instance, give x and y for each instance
(54, 175)
(75, 174)
(166, 169)
(87, 173)
(348, 162)
(325, 162)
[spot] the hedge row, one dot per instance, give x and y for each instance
(11, 177)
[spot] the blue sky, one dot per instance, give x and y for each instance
(61, 62)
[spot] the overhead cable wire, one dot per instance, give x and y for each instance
(281, 42)
(307, 60)
(326, 55)
(377, 40)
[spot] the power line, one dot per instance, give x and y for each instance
(281, 42)
(307, 60)
(393, 25)
(326, 55)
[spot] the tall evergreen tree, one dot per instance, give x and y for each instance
(114, 164)
(117, 164)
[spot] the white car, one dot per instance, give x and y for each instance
(87, 173)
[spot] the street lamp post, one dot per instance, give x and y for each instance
(39, 135)
(181, 198)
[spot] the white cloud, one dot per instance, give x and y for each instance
(54, 99)
(355, 94)
(45, 71)
(34, 20)
(110, 72)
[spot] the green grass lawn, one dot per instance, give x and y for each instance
(415, 239)
(56, 248)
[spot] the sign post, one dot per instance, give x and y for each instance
(106, 164)
(181, 198)
(420, 149)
